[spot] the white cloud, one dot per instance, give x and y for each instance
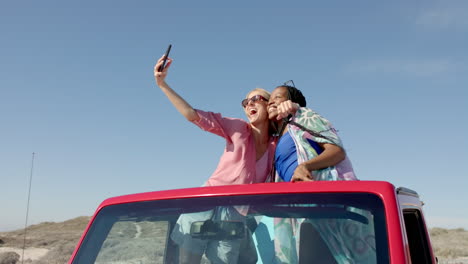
(408, 67)
(444, 18)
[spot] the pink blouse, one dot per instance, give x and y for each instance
(237, 164)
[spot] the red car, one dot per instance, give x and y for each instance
(306, 222)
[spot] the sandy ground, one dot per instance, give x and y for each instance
(29, 253)
(463, 260)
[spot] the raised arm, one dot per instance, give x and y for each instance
(179, 103)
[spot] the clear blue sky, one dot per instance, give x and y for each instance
(77, 88)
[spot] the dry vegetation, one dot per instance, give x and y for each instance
(450, 245)
(59, 238)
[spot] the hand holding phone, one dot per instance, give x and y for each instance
(161, 68)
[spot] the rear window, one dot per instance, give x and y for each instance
(280, 228)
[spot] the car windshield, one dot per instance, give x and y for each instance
(273, 228)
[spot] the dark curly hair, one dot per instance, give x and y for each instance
(295, 95)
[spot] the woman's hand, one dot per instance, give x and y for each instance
(160, 76)
(286, 108)
(302, 174)
(331, 156)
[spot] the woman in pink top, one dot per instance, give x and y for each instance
(246, 142)
(247, 158)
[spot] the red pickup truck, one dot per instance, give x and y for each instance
(348, 222)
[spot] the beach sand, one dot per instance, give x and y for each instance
(29, 253)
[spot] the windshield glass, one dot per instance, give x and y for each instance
(279, 228)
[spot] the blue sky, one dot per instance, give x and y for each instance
(76, 88)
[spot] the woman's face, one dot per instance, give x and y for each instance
(255, 107)
(279, 95)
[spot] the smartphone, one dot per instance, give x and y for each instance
(161, 68)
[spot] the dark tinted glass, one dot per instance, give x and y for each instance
(317, 227)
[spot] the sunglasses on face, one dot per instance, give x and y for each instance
(253, 99)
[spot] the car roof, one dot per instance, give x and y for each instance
(380, 188)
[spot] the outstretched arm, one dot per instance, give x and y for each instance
(179, 103)
(331, 155)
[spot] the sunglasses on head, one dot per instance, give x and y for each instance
(254, 99)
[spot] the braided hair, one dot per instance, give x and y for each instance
(295, 95)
